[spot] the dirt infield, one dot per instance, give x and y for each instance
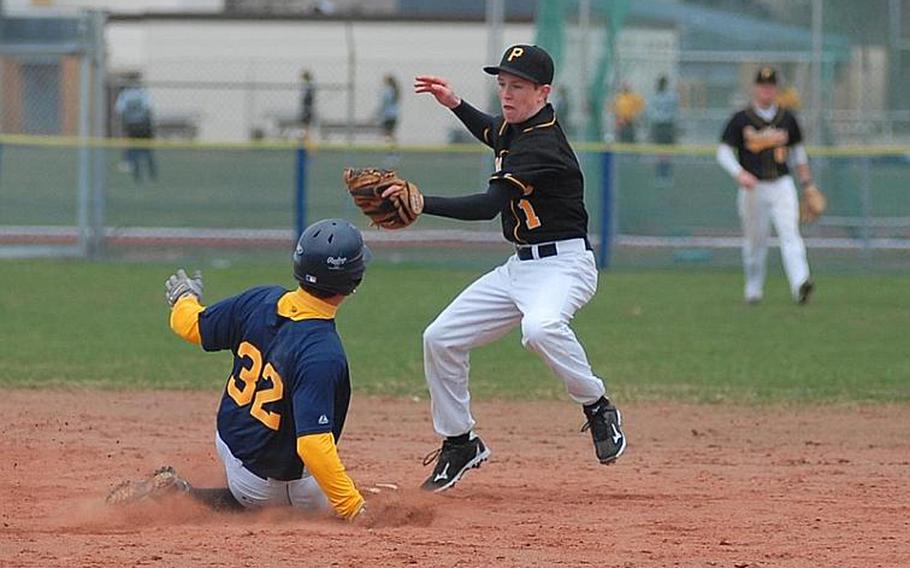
(699, 486)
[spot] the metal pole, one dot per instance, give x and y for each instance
(607, 212)
(99, 115)
(817, 31)
(495, 17)
(300, 191)
(866, 205)
(352, 78)
(584, 21)
(83, 156)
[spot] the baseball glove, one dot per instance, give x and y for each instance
(397, 210)
(812, 205)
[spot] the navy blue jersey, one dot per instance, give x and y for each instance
(289, 379)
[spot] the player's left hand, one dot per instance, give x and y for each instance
(389, 201)
(180, 284)
(813, 203)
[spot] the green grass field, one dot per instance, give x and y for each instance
(653, 335)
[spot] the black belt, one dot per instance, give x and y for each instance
(543, 251)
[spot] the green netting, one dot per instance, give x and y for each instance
(238, 202)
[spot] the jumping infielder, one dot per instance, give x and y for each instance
(754, 149)
(538, 191)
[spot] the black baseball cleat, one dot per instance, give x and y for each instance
(805, 290)
(453, 459)
(605, 424)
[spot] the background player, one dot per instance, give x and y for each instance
(538, 190)
(754, 149)
(287, 397)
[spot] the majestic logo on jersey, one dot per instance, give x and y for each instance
(336, 262)
(323, 420)
(768, 137)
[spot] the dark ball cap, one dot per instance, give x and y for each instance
(526, 61)
(766, 76)
(331, 257)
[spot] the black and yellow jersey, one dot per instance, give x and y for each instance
(537, 187)
(762, 146)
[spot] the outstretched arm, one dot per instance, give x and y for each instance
(477, 122)
(474, 207)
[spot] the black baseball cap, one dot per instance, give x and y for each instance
(766, 76)
(526, 61)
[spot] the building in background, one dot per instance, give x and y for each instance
(223, 69)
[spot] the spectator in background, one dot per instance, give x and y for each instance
(627, 107)
(389, 107)
(307, 102)
(134, 108)
(662, 110)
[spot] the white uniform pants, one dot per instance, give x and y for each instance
(540, 294)
(254, 492)
(771, 202)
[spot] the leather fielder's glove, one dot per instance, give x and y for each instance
(178, 285)
(812, 205)
(395, 211)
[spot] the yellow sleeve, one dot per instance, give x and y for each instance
(320, 456)
(185, 318)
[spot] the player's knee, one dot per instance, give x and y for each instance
(434, 336)
(537, 331)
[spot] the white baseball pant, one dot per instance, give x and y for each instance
(254, 492)
(771, 201)
(540, 294)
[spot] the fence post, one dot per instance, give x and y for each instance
(99, 110)
(300, 163)
(606, 209)
(866, 205)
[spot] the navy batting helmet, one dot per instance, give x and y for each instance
(330, 257)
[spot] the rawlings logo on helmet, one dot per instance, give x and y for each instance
(336, 262)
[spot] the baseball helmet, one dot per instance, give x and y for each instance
(330, 257)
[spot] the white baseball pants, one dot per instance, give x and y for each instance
(771, 202)
(540, 294)
(254, 492)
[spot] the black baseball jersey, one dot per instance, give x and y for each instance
(763, 145)
(540, 174)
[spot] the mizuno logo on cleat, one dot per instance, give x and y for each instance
(617, 436)
(444, 474)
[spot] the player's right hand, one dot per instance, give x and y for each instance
(180, 284)
(439, 88)
(746, 180)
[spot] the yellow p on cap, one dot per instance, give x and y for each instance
(516, 52)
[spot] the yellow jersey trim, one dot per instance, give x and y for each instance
(301, 305)
(526, 189)
(320, 456)
(544, 125)
(184, 320)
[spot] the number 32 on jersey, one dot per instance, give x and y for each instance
(250, 377)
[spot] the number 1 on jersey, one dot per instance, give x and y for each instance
(531, 218)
